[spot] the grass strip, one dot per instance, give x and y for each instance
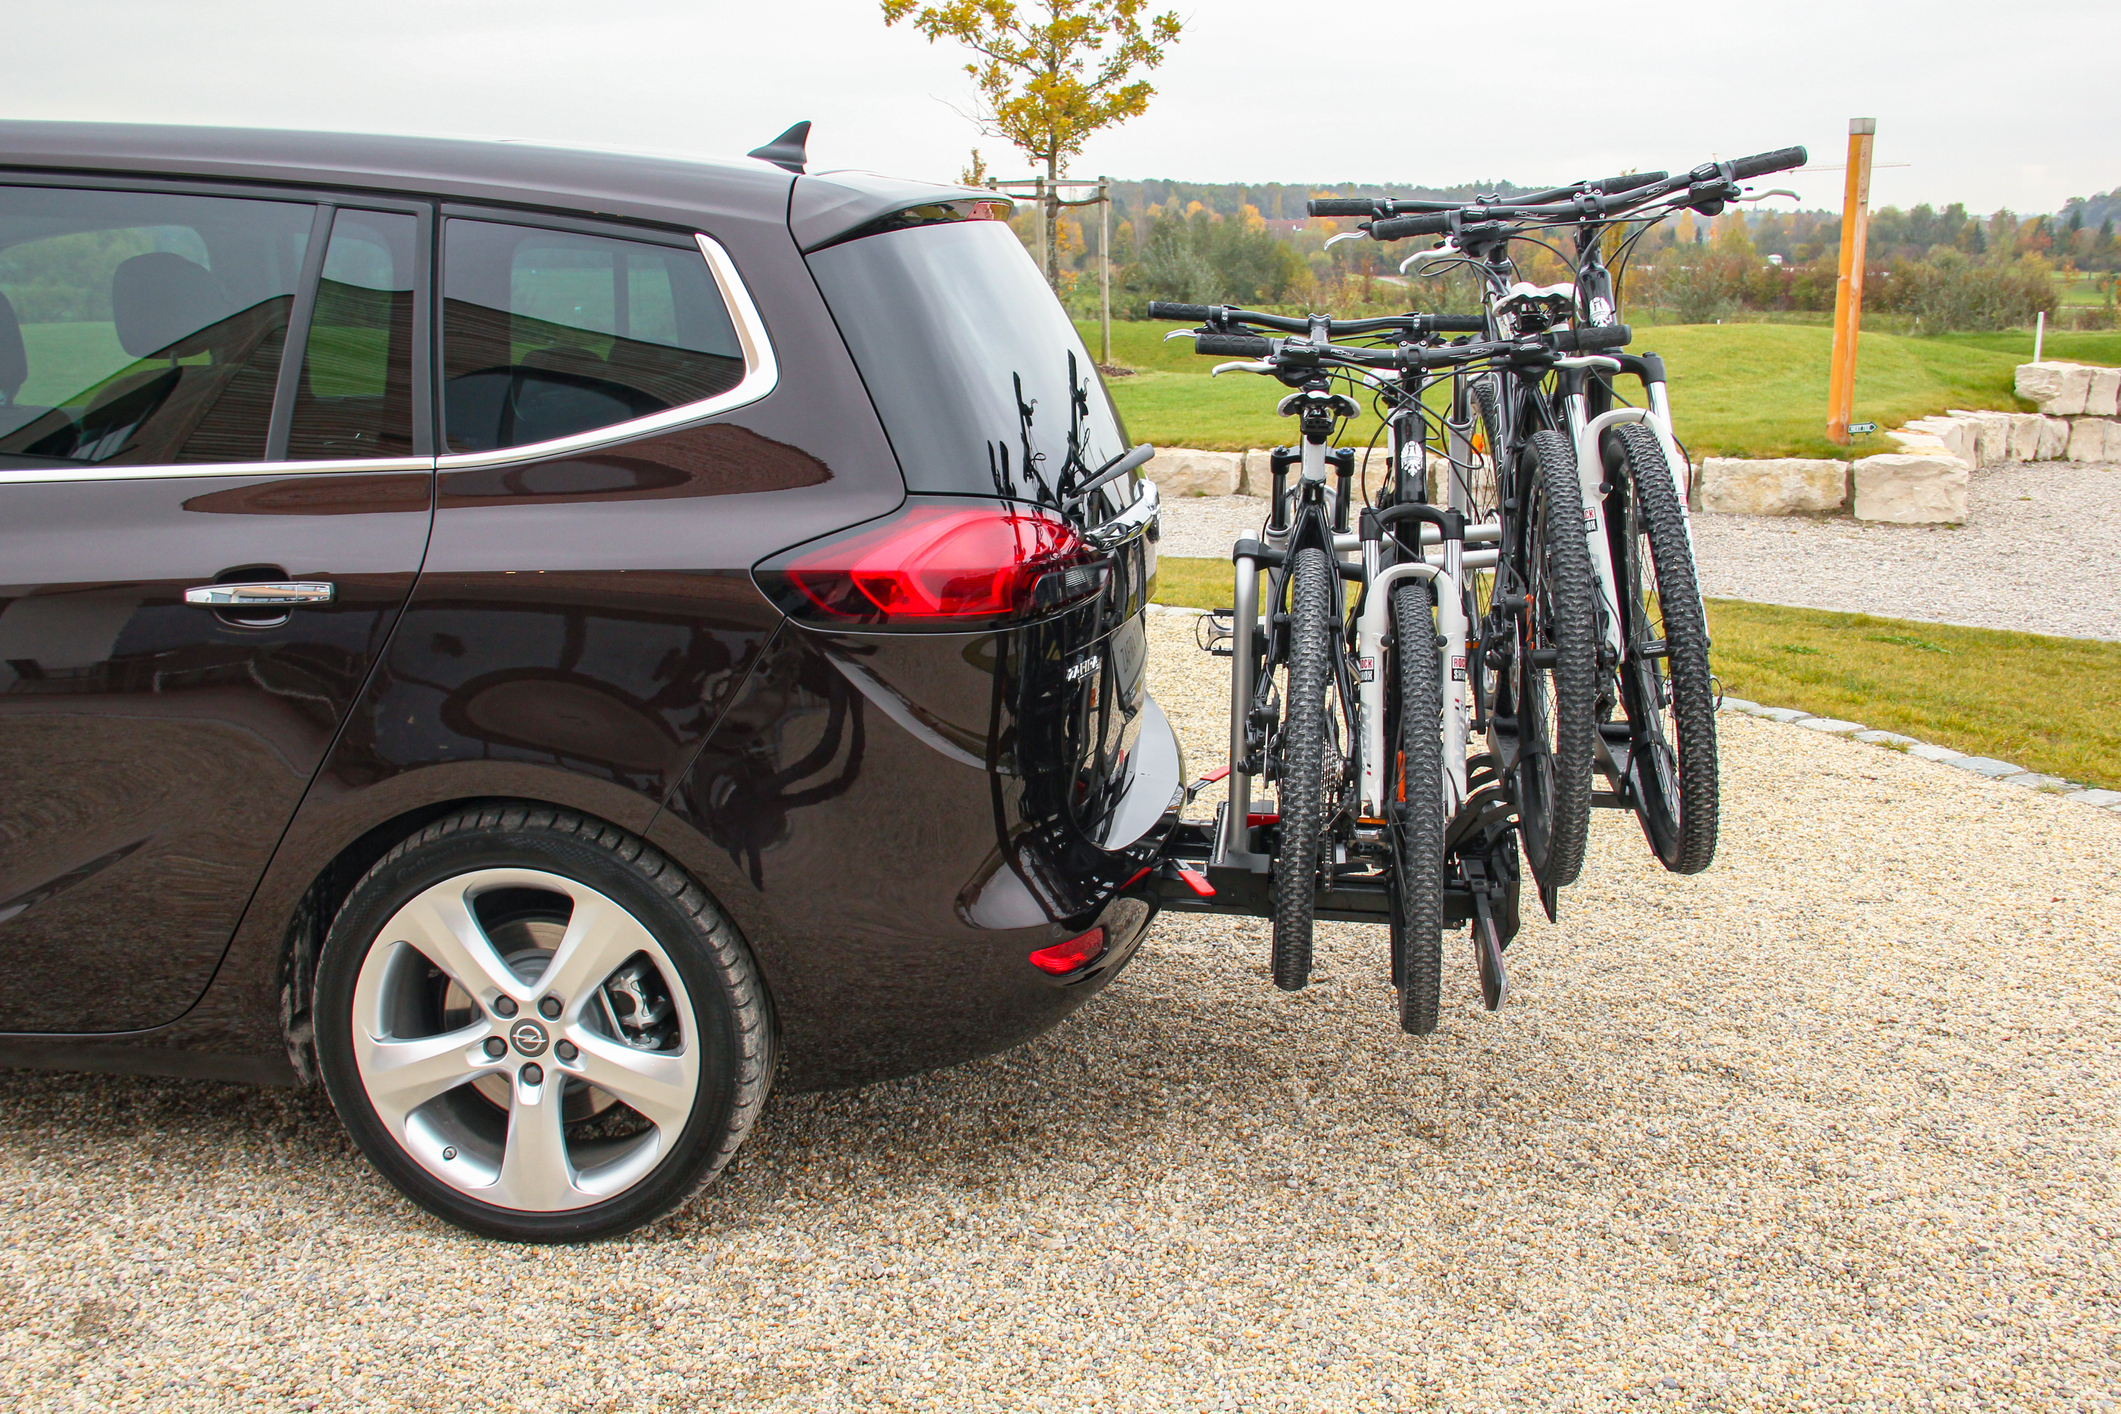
(2051, 705)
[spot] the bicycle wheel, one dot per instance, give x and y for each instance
(1305, 763)
(1554, 667)
(1664, 670)
(1416, 805)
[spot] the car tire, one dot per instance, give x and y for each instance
(538, 1027)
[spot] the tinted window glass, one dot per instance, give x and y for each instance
(355, 396)
(981, 380)
(141, 328)
(546, 333)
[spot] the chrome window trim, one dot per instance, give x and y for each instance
(14, 476)
(761, 373)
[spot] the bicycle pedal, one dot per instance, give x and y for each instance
(1216, 632)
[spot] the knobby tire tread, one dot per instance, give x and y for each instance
(1572, 588)
(1686, 634)
(1311, 642)
(1418, 873)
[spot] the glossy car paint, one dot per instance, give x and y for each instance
(894, 820)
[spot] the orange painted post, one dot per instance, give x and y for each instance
(1848, 291)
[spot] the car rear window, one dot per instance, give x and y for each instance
(982, 382)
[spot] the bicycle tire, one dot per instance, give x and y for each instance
(1417, 808)
(1556, 706)
(1302, 766)
(1670, 701)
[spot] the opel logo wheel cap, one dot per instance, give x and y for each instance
(529, 1038)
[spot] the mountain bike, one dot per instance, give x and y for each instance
(1654, 707)
(1363, 720)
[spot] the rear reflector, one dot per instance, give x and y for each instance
(1071, 956)
(938, 566)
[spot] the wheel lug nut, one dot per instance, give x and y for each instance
(533, 1075)
(496, 1047)
(550, 1008)
(565, 1051)
(504, 1006)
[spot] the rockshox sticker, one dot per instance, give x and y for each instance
(1367, 667)
(1458, 667)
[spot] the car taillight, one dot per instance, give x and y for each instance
(1071, 956)
(938, 566)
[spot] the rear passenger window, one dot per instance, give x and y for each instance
(355, 395)
(141, 328)
(548, 333)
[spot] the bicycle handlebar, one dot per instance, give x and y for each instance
(1300, 353)
(1413, 325)
(1592, 201)
(1763, 163)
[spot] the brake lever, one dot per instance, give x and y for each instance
(1332, 241)
(1436, 252)
(1241, 367)
(1181, 334)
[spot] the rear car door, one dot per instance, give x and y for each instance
(216, 469)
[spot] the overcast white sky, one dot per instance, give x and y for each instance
(1991, 104)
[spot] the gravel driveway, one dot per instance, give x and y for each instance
(2039, 553)
(1831, 1126)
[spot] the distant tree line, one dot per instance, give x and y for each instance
(1945, 269)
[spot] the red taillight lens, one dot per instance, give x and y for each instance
(939, 566)
(1071, 956)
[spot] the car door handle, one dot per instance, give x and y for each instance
(286, 593)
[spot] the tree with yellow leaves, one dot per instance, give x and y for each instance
(1051, 74)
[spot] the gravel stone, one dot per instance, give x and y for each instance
(1831, 1125)
(1978, 573)
(1832, 726)
(1986, 766)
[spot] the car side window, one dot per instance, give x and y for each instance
(354, 398)
(141, 328)
(550, 333)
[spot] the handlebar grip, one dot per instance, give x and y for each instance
(1631, 181)
(1190, 313)
(1340, 206)
(1612, 336)
(1399, 227)
(1766, 162)
(1231, 346)
(1459, 324)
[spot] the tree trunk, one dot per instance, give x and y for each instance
(1052, 219)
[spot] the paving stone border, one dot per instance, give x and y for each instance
(1988, 766)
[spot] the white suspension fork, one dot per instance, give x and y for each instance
(1451, 660)
(1590, 474)
(1660, 424)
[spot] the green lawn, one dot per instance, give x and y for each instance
(1754, 390)
(2048, 704)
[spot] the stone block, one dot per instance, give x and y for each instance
(1772, 486)
(1986, 766)
(2025, 435)
(1911, 490)
(1832, 726)
(1961, 435)
(1735, 704)
(1780, 714)
(1930, 752)
(1179, 471)
(2091, 439)
(2054, 438)
(2103, 798)
(1915, 442)
(2059, 388)
(2101, 397)
(1887, 739)
(2033, 780)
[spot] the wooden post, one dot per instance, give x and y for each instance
(1848, 291)
(1104, 260)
